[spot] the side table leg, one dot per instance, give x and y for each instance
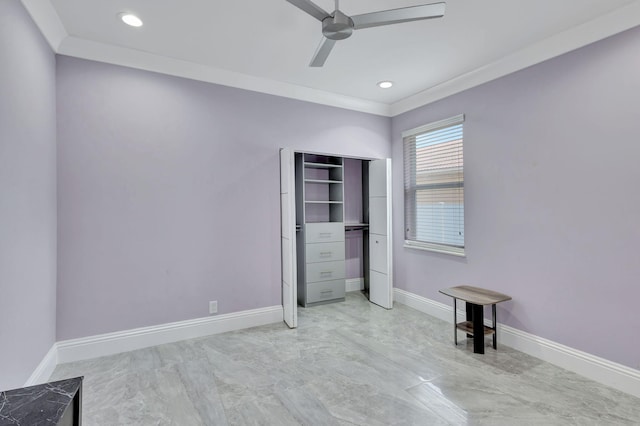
(455, 323)
(495, 327)
(478, 329)
(469, 308)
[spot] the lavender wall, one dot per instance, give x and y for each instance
(27, 196)
(552, 204)
(168, 193)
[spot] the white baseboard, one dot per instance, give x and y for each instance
(139, 338)
(44, 370)
(617, 376)
(354, 284)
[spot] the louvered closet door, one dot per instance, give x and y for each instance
(288, 237)
(380, 253)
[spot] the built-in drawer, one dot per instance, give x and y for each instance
(326, 290)
(324, 232)
(325, 271)
(324, 252)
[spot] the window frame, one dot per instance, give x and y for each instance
(412, 133)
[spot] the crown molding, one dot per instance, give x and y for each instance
(47, 20)
(602, 27)
(102, 52)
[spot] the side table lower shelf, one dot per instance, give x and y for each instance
(467, 327)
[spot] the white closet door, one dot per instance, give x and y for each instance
(288, 237)
(380, 241)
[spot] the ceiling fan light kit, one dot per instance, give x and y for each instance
(338, 26)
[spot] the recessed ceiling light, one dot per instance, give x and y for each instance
(385, 84)
(130, 19)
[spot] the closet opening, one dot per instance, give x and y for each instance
(340, 209)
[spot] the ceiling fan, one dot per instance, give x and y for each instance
(338, 26)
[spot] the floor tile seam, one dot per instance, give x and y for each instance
(296, 414)
(338, 415)
(544, 407)
(186, 382)
(262, 395)
(424, 405)
(186, 393)
(578, 404)
(388, 359)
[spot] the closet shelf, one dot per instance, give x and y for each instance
(355, 226)
(322, 202)
(322, 165)
(321, 181)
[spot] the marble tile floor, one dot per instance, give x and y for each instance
(349, 363)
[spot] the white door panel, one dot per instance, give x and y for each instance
(288, 238)
(286, 218)
(378, 288)
(378, 215)
(378, 253)
(380, 238)
(287, 169)
(287, 269)
(378, 178)
(288, 305)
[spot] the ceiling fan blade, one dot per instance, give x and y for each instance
(396, 16)
(322, 52)
(311, 8)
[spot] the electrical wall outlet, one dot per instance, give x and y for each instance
(213, 307)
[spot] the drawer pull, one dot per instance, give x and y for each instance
(326, 273)
(326, 292)
(325, 254)
(324, 234)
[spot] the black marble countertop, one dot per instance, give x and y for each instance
(38, 405)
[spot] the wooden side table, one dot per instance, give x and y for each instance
(476, 299)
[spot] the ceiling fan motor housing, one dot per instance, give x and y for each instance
(337, 27)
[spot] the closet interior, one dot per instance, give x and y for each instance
(332, 227)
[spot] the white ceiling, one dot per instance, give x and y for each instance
(266, 45)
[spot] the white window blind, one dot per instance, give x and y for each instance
(434, 186)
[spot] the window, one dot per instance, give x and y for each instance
(434, 187)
